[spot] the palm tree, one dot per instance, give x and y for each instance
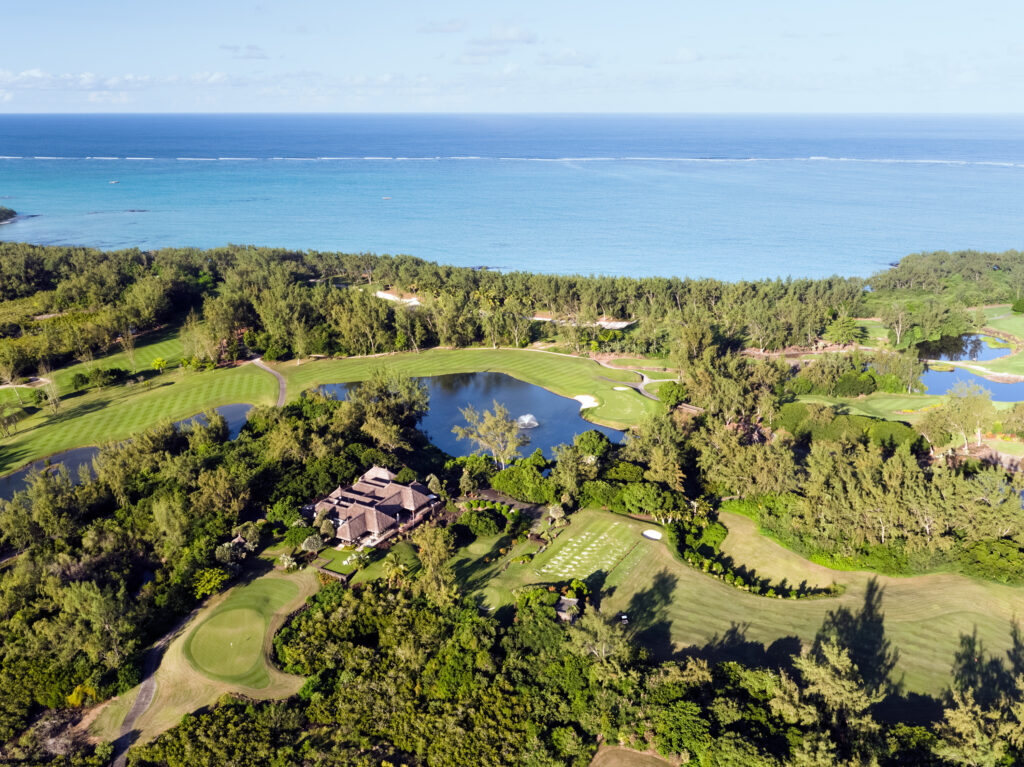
(395, 569)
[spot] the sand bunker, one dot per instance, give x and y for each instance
(586, 400)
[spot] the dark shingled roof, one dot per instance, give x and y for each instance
(373, 503)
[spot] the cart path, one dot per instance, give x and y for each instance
(282, 385)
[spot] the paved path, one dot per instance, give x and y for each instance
(640, 387)
(150, 664)
(282, 385)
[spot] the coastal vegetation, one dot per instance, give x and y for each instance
(719, 617)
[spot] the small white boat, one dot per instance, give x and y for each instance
(115, 182)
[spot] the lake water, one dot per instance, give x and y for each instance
(558, 418)
(974, 347)
(235, 414)
(940, 382)
(732, 197)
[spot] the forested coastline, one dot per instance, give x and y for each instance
(61, 303)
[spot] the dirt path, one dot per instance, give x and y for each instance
(282, 385)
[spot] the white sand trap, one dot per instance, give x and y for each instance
(654, 535)
(621, 388)
(586, 400)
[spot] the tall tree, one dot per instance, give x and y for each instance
(494, 432)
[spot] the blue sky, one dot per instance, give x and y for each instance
(569, 56)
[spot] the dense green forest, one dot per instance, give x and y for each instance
(60, 303)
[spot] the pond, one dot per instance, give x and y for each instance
(973, 347)
(940, 382)
(235, 414)
(558, 418)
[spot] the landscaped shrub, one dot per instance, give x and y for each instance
(1018, 306)
(524, 482)
(405, 475)
(622, 471)
(483, 523)
(791, 417)
(800, 385)
(854, 384)
(602, 494)
(672, 394)
(892, 433)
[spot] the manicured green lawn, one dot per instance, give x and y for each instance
(1013, 364)
(1001, 318)
(201, 664)
(639, 362)
(663, 375)
(165, 343)
(891, 407)
(924, 615)
(228, 645)
(566, 376)
(672, 605)
(97, 416)
(593, 542)
(342, 562)
(406, 554)
(875, 334)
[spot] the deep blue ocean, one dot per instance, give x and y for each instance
(731, 197)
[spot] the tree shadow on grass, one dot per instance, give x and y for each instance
(862, 635)
(473, 574)
(647, 612)
(734, 646)
(988, 677)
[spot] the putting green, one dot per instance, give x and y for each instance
(202, 664)
(230, 644)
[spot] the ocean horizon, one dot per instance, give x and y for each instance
(724, 196)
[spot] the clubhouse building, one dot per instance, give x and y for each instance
(375, 507)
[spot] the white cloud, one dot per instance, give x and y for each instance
(108, 97)
(245, 51)
(682, 56)
(501, 40)
(449, 27)
(511, 34)
(214, 78)
(6, 96)
(567, 57)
